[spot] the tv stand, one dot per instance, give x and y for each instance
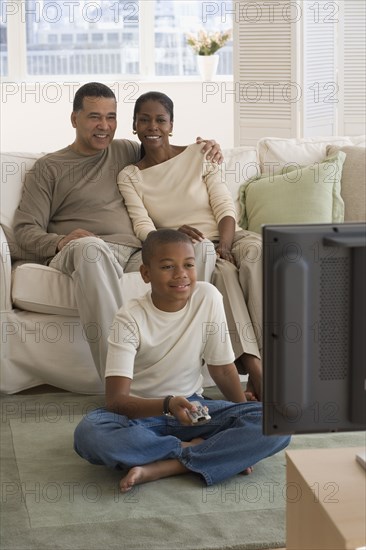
(361, 459)
(326, 499)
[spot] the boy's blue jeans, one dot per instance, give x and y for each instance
(233, 440)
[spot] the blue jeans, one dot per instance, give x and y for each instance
(233, 440)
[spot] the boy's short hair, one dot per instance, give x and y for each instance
(159, 237)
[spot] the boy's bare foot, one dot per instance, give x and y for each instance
(194, 441)
(247, 471)
(151, 472)
(156, 470)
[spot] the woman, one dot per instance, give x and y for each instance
(176, 187)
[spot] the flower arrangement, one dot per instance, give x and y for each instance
(205, 43)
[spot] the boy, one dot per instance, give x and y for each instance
(156, 350)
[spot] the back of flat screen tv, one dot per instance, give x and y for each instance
(314, 328)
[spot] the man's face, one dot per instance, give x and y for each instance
(95, 124)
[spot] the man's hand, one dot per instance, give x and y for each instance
(213, 150)
(194, 234)
(76, 234)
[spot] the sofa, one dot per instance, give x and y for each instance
(277, 181)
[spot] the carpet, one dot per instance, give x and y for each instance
(51, 498)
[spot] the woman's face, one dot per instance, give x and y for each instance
(153, 124)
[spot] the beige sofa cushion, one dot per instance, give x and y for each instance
(353, 182)
(14, 167)
(275, 153)
(240, 164)
(42, 289)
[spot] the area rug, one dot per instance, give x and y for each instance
(61, 501)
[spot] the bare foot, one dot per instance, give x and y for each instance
(247, 471)
(251, 365)
(250, 396)
(151, 472)
(194, 441)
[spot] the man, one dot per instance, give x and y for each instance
(72, 217)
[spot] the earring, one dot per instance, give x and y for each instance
(134, 132)
(170, 135)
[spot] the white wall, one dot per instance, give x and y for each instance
(35, 116)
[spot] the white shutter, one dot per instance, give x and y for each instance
(353, 67)
(320, 85)
(315, 47)
(265, 83)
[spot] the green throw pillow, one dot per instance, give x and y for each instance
(296, 194)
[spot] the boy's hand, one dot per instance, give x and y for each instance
(178, 407)
(213, 150)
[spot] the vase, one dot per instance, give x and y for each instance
(207, 66)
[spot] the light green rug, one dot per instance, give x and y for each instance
(51, 498)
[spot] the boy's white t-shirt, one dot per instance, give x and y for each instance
(163, 352)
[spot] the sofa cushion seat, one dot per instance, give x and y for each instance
(42, 289)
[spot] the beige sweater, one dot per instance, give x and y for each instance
(186, 189)
(66, 191)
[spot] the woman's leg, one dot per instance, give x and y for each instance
(247, 251)
(205, 256)
(239, 324)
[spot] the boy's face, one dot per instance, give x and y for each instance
(172, 274)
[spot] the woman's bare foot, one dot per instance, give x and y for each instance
(251, 365)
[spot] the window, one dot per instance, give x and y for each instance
(117, 37)
(3, 44)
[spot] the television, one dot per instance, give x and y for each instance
(314, 328)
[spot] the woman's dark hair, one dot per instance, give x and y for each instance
(161, 98)
(91, 89)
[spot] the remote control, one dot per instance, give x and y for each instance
(200, 416)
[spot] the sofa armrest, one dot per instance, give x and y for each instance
(5, 273)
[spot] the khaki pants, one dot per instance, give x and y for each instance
(96, 268)
(241, 288)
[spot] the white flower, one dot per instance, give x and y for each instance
(205, 43)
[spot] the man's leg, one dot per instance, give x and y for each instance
(96, 274)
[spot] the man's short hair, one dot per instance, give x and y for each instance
(159, 237)
(91, 89)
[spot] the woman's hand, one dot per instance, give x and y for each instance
(213, 150)
(224, 252)
(194, 234)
